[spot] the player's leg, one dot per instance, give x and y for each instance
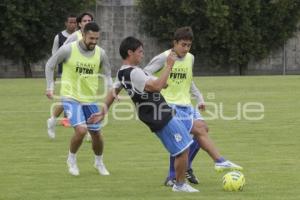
(180, 168)
(77, 138)
(180, 165)
(51, 122)
(170, 180)
(194, 148)
(200, 131)
(96, 138)
(177, 140)
(188, 115)
(77, 120)
(97, 144)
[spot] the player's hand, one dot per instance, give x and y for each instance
(96, 117)
(49, 94)
(201, 107)
(172, 57)
(117, 97)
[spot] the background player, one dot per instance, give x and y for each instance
(82, 61)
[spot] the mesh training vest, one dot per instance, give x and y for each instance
(80, 75)
(179, 81)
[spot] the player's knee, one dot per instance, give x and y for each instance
(205, 127)
(200, 127)
(81, 130)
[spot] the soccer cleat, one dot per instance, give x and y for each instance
(169, 182)
(184, 188)
(189, 174)
(227, 166)
(73, 169)
(51, 127)
(65, 122)
(101, 168)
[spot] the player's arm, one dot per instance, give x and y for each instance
(109, 99)
(197, 94)
(156, 64)
(156, 85)
(62, 54)
(55, 45)
(105, 65)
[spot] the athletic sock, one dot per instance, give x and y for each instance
(220, 160)
(171, 174)
(72, 156)
(98, 159)
(194, 148)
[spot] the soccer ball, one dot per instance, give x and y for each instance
(233, 181)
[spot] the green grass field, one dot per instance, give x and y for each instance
(32, 167)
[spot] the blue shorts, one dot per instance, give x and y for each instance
(190, 112)
(175, 136)
(78, 113)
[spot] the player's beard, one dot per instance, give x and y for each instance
(90, 46)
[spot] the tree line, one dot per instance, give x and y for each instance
(227, 32)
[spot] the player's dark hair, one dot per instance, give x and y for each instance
(91, 26)
(184, 33)
(129, 43)
(79, 18)
(71, 16)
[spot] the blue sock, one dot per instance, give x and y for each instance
(171, 174)
(194, 148)
(220, 160)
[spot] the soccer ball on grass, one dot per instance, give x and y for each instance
(234, 181)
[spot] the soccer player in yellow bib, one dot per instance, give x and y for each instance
(82, 20)
(82, 61)
(178, 95)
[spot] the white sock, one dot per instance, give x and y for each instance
(72, 156)
(53, 120)
(98, 159)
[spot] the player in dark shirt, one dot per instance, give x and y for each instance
(151, 106)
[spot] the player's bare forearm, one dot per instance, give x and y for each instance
(110, 97)
(162, 80)
(160, 83)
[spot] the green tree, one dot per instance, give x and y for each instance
(227, 32)
(28, 27)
